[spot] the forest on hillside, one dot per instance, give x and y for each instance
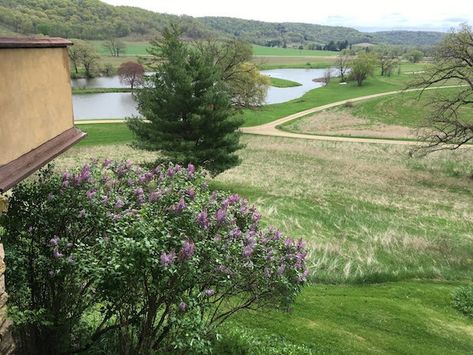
(93, 19)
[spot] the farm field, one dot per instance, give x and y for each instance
(290, 52)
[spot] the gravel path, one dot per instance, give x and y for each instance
(271, 128)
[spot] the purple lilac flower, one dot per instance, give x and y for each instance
(243, 209)
(190, 169)
(300, 257)
(167, 259)
(128, 164)
(182, 306)
(66, 176)
(91, 194)
(220, 215)
(288, 242)
(138, 191)
(57, 254)
(277, 235)
(234, 199)
(187, 250)
(65, 183)
(235, 233)
(180, 206)
(153, 196)
(209, 292)
(256, 216)
(119, 204)
(300, 244)
(225, 203)
(82, 213)
(170, 172)
(54, 241)
(203, 220)
(106, 163)
(84, 175)
(248, 251)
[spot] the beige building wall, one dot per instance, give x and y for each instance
(35, 99)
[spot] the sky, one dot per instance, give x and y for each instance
(365, 15)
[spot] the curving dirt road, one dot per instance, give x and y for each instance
(271, 128)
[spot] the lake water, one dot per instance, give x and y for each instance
(121, 105)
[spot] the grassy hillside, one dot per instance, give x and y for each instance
(259, 32)
(93, 19)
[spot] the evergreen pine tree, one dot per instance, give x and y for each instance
(186, 108)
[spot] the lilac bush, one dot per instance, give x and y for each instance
(166, 259)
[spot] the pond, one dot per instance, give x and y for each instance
(121, 105)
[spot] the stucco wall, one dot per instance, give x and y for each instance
(35, 99)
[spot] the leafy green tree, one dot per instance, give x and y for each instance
(187, 106)
(246, 86)
(414, 56)
(361, 68)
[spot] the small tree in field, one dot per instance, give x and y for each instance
(414, 56)
(188, 107)
(361, 68)
(115, 47)
(131, 73)
(342, 63)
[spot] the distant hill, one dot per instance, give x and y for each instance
(264, 33)
(93, 19)
(420, 38)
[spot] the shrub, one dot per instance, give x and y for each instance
(463, 300)
(147, 260)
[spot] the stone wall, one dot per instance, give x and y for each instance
(6, 340)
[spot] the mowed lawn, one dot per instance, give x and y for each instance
(390, 239)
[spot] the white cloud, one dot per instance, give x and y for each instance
(423, 14)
